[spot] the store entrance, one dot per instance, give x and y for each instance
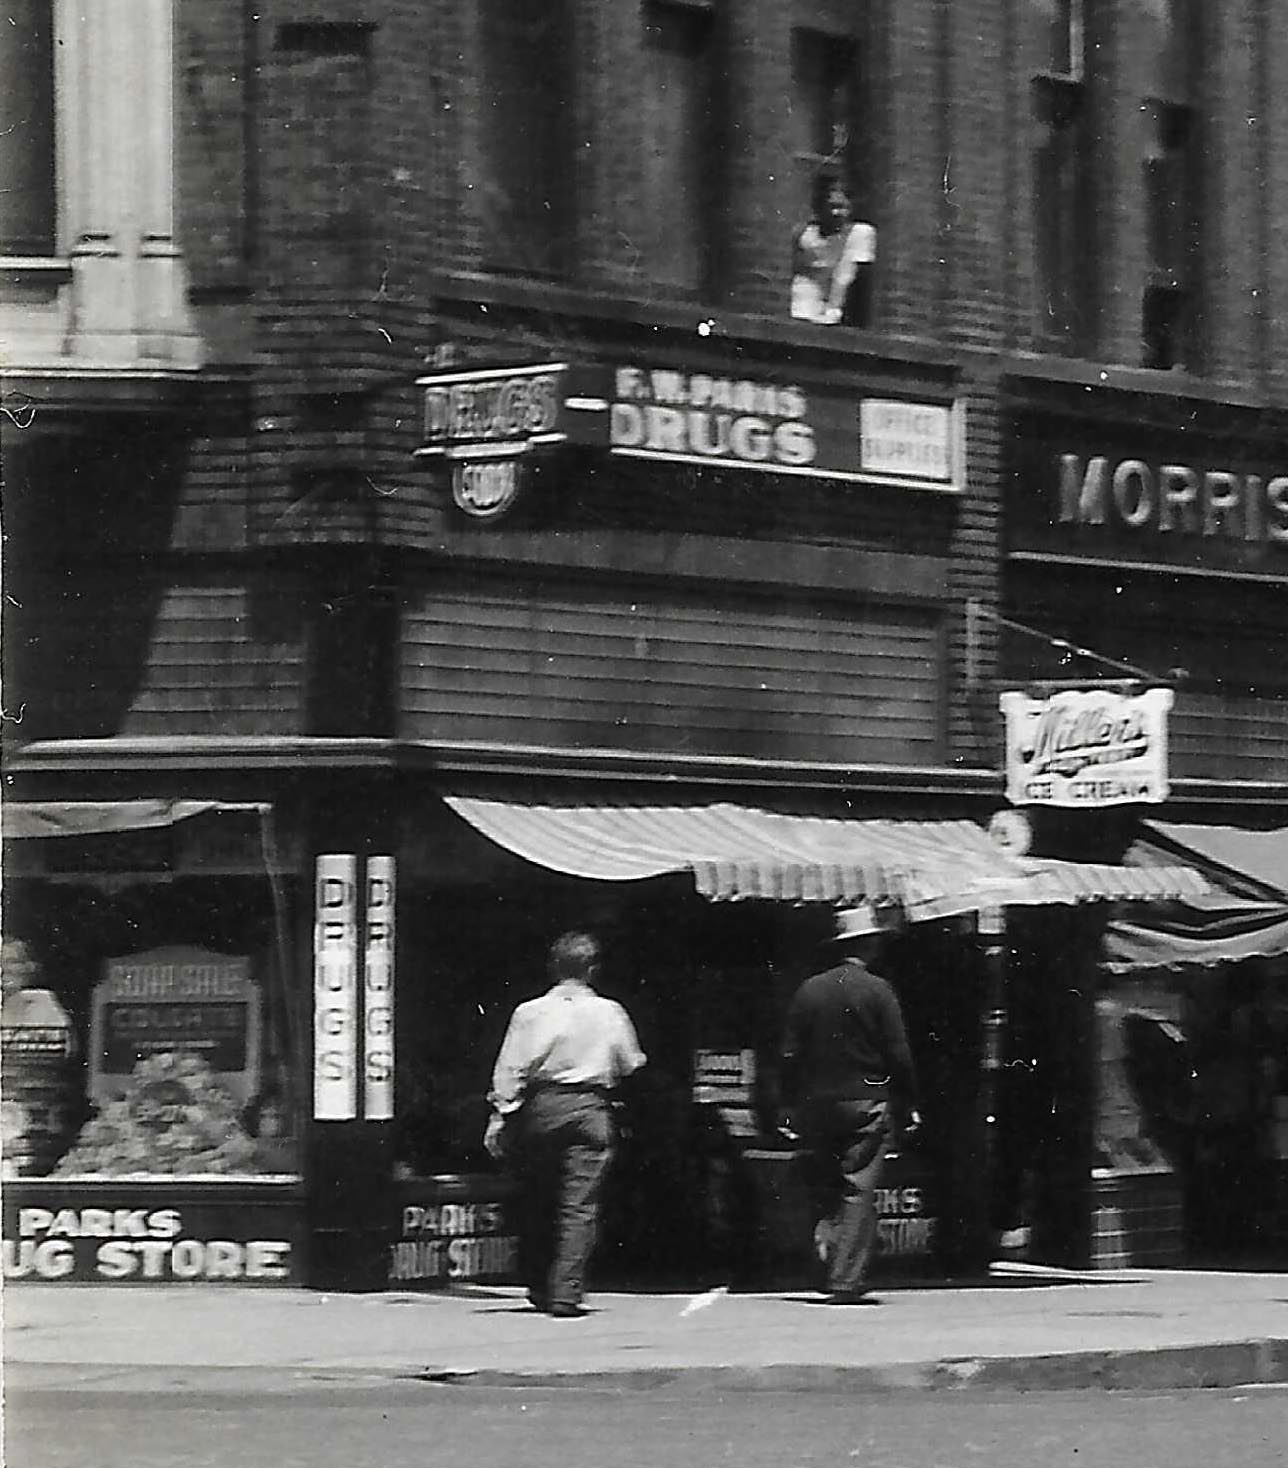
(704, 1189)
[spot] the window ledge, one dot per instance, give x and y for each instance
(46, 267)
(1175, 383)
(709, 324)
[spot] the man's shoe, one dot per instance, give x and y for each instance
(566, 1310)
(852, 1297)
(538, 1302)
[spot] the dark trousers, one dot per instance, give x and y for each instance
(564, 1148)
(847, 1144)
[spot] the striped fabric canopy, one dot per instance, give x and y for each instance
(930, 869)
(28, 819)
(1244, 914)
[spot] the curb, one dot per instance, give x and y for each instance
(1170, 1368)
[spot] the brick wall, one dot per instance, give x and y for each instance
(913, 224)
(1269, 139)
(1232, 199)
(356, 181)
(950, 155)
(214, 168)
(975, 183)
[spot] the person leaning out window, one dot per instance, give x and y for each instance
(832, 259)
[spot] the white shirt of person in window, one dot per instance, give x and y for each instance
(831, 259)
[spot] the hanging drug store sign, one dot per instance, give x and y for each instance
(353, 1016)
(485, 423)
(1086, 748)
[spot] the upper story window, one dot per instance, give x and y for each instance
(681, 146)
(1063, 205)
(834, 249)
(1170, 181)
(526, 194)
(325, 95)
(1066, 54)
(28, 211)
(822, 109)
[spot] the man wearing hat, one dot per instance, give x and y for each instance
(848, 1076)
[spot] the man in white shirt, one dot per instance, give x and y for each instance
(562, 1056)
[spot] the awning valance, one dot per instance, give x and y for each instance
(931, 869)
(44, 818)
(1243, 914)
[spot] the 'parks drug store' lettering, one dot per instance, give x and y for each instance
(140, 1244)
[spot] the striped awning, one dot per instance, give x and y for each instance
(1244, 914)
(26, 819)
(930, 869)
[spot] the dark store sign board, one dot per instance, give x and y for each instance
(451, 1230)
(1082, 749)
(907, 1205)
(218, 844)
(141, 1234)
(1123, 498)
(906, 1229)
(674, 415)
(184, 1000)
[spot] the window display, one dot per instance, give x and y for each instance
(148, 1031)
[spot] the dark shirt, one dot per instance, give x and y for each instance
(845, 1036)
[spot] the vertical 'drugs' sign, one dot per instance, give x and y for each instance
(378, 992)
(335, 989)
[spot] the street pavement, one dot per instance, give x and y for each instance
(1153, 1330)
(411, 1424)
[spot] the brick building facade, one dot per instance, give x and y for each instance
(249, 246)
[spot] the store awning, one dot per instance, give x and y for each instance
(45, 818)
(1244, 913)
(931, 869)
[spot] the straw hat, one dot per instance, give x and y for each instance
(863, 921)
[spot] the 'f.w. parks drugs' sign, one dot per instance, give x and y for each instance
(1083, 748)
(487, 425)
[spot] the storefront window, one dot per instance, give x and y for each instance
(1192, 1080)
(147, 1025)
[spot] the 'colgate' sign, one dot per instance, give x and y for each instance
(1086, 748)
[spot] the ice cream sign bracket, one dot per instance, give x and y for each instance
(486, 425)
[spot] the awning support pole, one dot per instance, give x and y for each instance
(991, 928)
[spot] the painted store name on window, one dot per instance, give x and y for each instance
(133, 1244)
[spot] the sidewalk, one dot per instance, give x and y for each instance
(1143, 1329)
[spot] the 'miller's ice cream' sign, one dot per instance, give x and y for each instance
(1086, 748)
